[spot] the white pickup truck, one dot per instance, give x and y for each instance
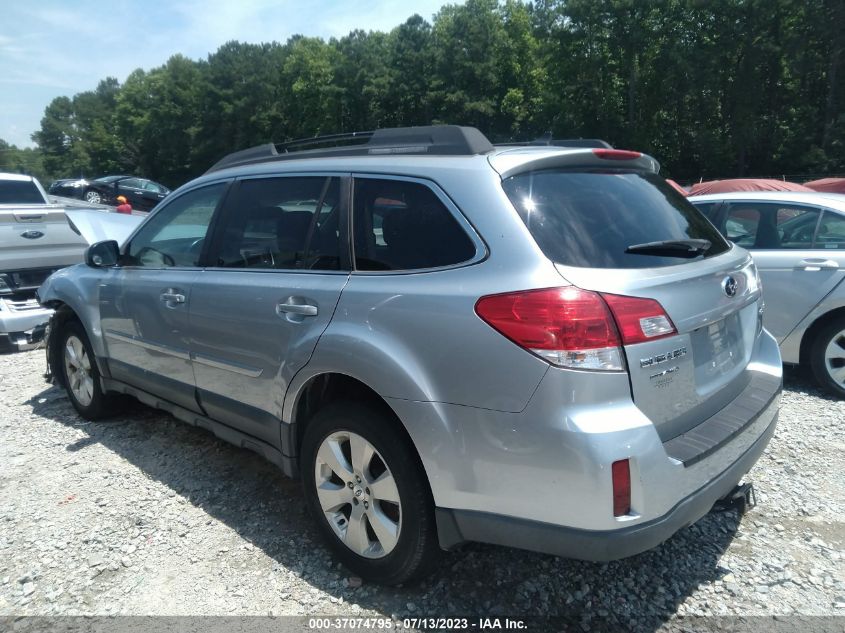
(35, 241)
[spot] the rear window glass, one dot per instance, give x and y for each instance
(19, 192)
(589, 219)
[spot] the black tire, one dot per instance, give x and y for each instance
(833, 332)
(101, 404)
(92, 196)
(416, 549)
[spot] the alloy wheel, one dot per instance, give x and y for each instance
(78, 371)
(834, 358)
(358, 494)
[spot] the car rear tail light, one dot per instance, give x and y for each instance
(575, 328)
(639, 319)
(621, 474)
(616, 154)
(568, 327)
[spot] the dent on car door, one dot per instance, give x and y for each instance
(276, 272)
(144, 301)
(782, 239)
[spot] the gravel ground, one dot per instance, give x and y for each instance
(145, 515)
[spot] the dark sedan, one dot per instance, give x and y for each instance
(68, 187)
(142, 194)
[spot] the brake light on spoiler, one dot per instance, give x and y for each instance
(617, 154)
(575, 328)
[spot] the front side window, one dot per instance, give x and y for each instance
(131, 183)
(771, 226)
(831, 233)
(175, 235)
(400, 225)
(283, 223)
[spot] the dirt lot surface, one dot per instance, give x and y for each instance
(145, 515)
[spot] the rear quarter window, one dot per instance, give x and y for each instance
(402, 225)
(589, 218)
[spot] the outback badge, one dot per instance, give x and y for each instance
(662, 358)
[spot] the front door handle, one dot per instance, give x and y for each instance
(814, 264)
(303, 309)
(172, 296)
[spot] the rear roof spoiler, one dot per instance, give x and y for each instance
(522, 159)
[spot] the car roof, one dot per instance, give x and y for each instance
(833, 200)
(505, 160)
(411, 150)
(17, 177)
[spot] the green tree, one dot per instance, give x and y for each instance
(16, 160)
(712, 89)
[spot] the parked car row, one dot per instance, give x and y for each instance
(141, 193)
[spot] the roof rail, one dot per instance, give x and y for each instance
(432, 140)
(547, 140)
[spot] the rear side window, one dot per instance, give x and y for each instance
(591, 218)
(283, 223)
(400, 225)
(771, 226)
(19, 192)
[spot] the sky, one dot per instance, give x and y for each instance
(50, 48)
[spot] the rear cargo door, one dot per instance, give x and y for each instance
(628, 233)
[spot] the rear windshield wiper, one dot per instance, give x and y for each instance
(672, 248)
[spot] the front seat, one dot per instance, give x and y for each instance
(767, 232)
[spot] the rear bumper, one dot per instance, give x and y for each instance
(456, 526)
(547, 469)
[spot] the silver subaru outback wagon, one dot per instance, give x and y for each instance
(535, 346)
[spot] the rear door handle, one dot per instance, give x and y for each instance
(813, 264)
(303, 309)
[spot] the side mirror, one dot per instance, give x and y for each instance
(102, 254)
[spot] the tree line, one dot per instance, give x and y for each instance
(711, 88)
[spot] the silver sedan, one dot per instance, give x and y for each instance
(798, 243)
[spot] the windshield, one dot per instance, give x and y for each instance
(592, 219)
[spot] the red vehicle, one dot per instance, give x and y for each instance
(744, 184)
